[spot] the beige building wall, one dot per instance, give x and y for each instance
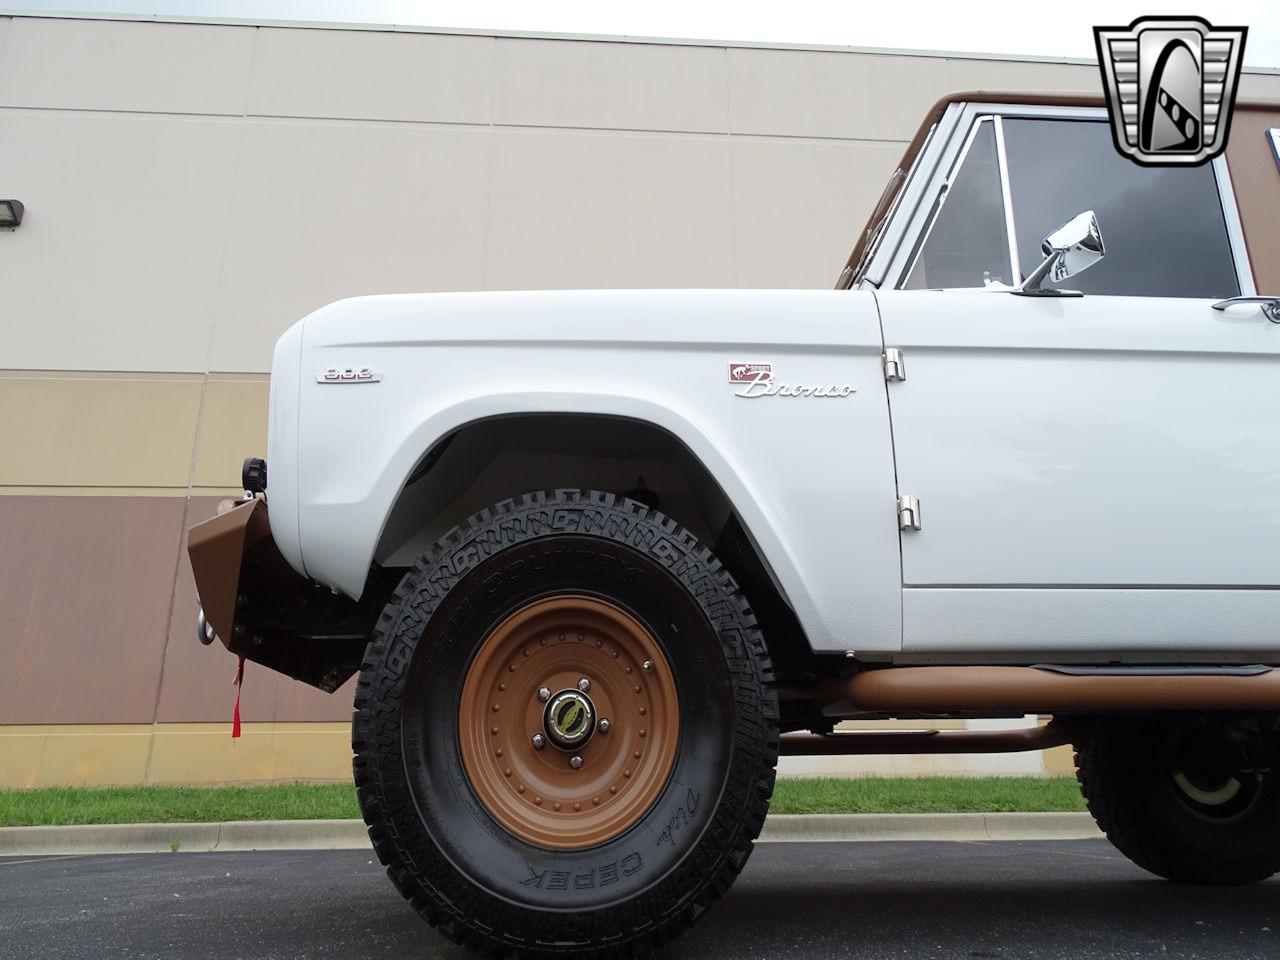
(192, 189)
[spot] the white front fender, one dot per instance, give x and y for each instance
(810, 477)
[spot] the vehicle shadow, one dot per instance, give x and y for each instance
(800, 901)
(977, 900)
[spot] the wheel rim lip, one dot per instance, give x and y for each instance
(1240, 795)
(613, 646)
(1218, 796)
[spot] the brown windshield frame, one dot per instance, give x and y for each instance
(854, 267)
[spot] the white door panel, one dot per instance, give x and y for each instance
(1108, 441)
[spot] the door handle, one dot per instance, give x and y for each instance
(1270, 305)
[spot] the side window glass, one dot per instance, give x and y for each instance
(1163, 226)
(967, 244)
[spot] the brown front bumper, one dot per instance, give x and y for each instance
(217, 549)
(263, 610)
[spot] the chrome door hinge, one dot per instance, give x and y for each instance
(895, 367)
(908, 513)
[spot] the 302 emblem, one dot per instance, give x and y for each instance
(349, 375)
(757, 381)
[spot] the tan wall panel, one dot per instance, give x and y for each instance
(103, 65)
(116, 263)
(197, 679)
(1060, 762)
(1260, 85)
(850, 96)
(868, 96)
(387, 76)
(205, 753)
(967, 74)
(178, 753)
(779, 184)
(328, 210)
(182, 231)
(97, 430)
(619, 86)
(73, 755)
(911, 765)
(85, 584)
(608, 210)
(233, 425)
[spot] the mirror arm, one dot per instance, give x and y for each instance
(1034, 286)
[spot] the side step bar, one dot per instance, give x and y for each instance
(1020, 690)
(924, 741)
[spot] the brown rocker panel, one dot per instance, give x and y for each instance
(1031, 690)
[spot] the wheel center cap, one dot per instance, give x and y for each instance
(569, 719)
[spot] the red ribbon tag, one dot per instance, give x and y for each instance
(235, 714)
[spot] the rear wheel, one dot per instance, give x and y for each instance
(565, 734)
(1190, 798)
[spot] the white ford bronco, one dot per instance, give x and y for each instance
(600, 557)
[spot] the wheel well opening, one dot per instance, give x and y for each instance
(491, 460)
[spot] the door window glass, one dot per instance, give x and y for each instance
(1163, 227)
(967, 244)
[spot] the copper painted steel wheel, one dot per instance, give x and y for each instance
(535, 792)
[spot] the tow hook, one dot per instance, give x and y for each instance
(204, 631)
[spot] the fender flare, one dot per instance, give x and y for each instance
(759, 517)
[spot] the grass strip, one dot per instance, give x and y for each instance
(52, 806)
(927, 795)
(57, 806)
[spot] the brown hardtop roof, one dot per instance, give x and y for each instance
(1038, 98)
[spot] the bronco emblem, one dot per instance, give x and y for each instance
(757, 381)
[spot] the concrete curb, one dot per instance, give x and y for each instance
(185, 837)
(243, 835)
(964, 827)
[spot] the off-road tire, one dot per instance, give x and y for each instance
(1125, 776)
(447, 855)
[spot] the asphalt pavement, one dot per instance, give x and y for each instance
(1043, 900)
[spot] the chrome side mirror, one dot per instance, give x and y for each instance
(1073, 247)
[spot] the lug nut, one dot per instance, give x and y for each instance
(647, 666)
(544, 694)
(604, 725)
(584, 684)
(538, 741)
(575, 762)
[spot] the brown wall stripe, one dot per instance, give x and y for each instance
(97, 615)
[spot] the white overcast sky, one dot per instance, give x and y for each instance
(1025, 27)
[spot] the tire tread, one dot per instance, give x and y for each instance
(438, 898)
